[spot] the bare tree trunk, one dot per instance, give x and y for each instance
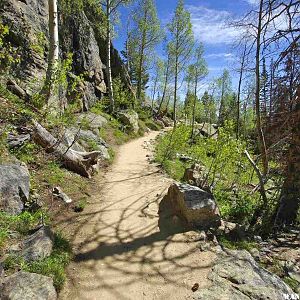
(194, 106)
(108, 57)
(154, 92)
(79, 162)
(175, 92)
(239, 94)
(165, 85)
(49, 90)
(222, 104)
(142, 49)
(261, 139)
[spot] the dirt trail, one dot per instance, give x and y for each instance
(120, 253)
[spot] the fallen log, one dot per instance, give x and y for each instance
(79, 162)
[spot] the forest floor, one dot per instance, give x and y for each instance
(120, 252)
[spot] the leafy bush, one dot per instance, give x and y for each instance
(229, 173)
(123, 98)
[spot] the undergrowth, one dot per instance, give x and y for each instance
(227, 171)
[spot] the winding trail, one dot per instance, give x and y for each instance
(120, 252)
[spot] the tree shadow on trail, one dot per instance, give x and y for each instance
(117, 252)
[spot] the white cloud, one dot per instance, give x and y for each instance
(211, 26)
(223, 55)
(253, 2)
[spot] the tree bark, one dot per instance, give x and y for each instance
(52, 96)
(165, 85)
(261, 140)
(175, 92)
(142, 49)
(79, 162)
(108, 57)
(194, 106)
(239, 94)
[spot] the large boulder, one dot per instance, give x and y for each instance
(86, 140)
(92, 120)
(130, 119)
(38, 246)
(14, 187)
(193, 205)
(236, 276)
(27, 286)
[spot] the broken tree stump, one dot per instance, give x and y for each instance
(79, 162)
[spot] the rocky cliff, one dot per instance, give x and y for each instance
(79, 34)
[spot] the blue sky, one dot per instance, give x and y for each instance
(209, 19)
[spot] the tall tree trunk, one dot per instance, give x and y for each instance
(175, 91)
(289, 205)
(239, 94)
(194, 106)
(165, 85)
(140, 70)
(108, 57)
(261, 139)
(50, 91)
(222, 104)
(154, 92)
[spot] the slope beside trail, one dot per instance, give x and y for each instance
(120, 252)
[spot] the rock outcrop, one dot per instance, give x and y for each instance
(130, 119)
(36, 246)
(14, 187)
(193, 205)
(236, 276)
(24, 285)
(28, 33)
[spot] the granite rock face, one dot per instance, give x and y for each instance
(14, 187)
(236, 276)
(27, 286)
(29, 34)
(38, 245)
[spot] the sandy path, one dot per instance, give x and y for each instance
(120, 252)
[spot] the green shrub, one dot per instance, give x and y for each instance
(237, 245)
(228, 171)
(52, 266)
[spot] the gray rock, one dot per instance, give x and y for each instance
(17, 140)
(195, 206)
(38, 246)
(130, 119)
(167, 122)
(86, 138)
(196, 175)
(28, 23)
(255, 253)
(16, 89)
(69, 139)
(94, 121)
(14, 188)
(231, 230)
(237, 276)
(27, 286)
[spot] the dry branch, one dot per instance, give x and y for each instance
(260, 177)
